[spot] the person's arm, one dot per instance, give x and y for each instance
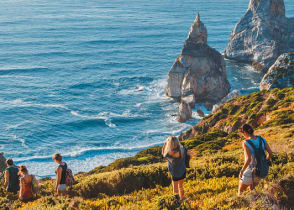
(269, 151)
(36, 180)
(58, 177)
(163, 148)
(21, 188)
(6, 179)
(247, 159)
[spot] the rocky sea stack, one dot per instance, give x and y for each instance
(262, 34)
(199, 73)
(281, 74)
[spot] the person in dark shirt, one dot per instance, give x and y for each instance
(60, 174)
(175, 154)
(11, 177)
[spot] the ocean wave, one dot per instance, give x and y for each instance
(21, 103)
(21, 140)
(94, 119)
(80, 152)
(21, 69)
(108, 41)
(8, 127)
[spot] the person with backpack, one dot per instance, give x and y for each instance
(256, 164)
(11, 177)
(28, 184)
(64, 175)
(176, 156)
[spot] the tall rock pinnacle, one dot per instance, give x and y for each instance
(199, 74)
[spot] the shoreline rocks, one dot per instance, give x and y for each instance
(185, 112)
(280, 74)
(262, 34)
(199, 74)
(230, 96)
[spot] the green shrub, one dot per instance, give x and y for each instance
(122, 181)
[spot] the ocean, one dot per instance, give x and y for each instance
(86, 78)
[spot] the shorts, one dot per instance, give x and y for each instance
(247, 177)
(62, 187)
(179, 178)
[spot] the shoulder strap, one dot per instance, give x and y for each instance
(261, 140)
(252, 145)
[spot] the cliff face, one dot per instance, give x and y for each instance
(280, 74)
(262, 34)
(260, 108)
(199, 73)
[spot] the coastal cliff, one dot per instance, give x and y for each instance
(262, 35)
(199, 74)
(142, 181)
(280, 74)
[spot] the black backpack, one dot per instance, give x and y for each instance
(262, 166)
(187, 158)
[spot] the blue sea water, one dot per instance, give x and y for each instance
(87, 78)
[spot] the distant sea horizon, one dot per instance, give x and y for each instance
(86, 78)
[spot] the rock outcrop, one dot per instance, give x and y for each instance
(280, 74)
(2, 162)
(230, 96)
(199, 73)
(262, 34)
(185, 112)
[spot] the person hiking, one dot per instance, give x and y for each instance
(27, 184)
(254, 148)
(60, 174)
(176, 155)
(11, 177)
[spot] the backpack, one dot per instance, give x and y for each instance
(262, 166)
(69, 179)
(187, 158)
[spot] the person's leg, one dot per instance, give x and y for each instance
(181, 188)
(175, 187)
(242, 188)
(61, 190)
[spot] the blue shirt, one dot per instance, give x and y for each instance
(256, 144)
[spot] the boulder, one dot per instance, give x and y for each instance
(200, 113)
(230, 96)
(262, 34)
(280, 74)
(185, 112)
(199, 74)
(2, 162)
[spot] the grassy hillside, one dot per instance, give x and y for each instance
(142, 181)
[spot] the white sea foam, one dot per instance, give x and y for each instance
(20, 103)
(102, 116)
(78, 151)
(8, 127)
(20, 68)
(21, 140)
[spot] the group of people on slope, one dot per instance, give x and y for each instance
(19, 181)
(176, 156)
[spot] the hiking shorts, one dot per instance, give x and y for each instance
(247, 177)
(179, 178)
(62, 187)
